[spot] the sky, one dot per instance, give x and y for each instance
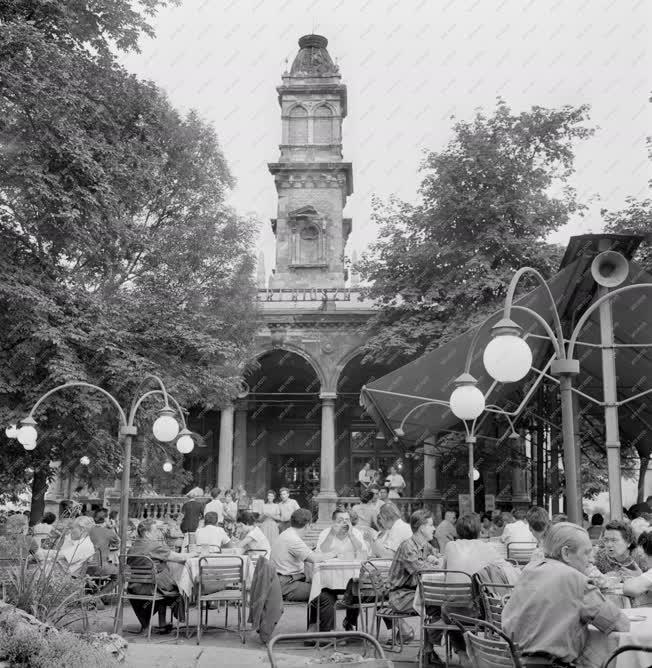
(409, 66)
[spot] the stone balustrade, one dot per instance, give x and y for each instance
(407, 505)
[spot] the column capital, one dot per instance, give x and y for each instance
(324, 396)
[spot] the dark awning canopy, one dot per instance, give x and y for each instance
(391, 398)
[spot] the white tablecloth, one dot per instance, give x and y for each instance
(335, 573)
(186, 575)
(600, 646)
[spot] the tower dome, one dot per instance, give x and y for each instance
(313, 58)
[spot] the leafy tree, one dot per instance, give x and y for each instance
(487, 202)
(118, 254)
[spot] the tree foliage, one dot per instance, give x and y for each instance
(487, 202)
(118, 253)
(635, 218)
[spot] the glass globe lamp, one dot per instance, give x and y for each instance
(27, 433)
(84, 461)
(185, 444)
(165, 427)
(476, 475)
(507, 357)
(167, 467)
(466, 401)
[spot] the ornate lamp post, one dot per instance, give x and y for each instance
(165, 429)
(508, 358)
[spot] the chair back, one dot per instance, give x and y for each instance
(486, 644)
(438, 592)
(624, 649)
(372, 581)
(520, 552)
(221, 572)
(138, 569)
(493, 596)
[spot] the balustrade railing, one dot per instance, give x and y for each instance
(155, 507)
(406, 505)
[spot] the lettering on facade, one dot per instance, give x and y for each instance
(304, 295)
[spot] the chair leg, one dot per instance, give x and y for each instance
(118, 613)
(198, 621)
(151, 618)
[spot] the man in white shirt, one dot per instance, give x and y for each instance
(518, 531)
(343, 538)
(210, 534)
(286, 506)
(365, 476)
(215, 506)
(289, 553)
(395, 483)
(394, 532)
(445, 531)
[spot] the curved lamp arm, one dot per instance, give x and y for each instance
(585, 316)
(558, 345)
(434, 402)
(79, 383)
(139, 401)
(492, 408)
(509, 298)
(159, 382)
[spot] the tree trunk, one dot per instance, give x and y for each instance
(641, 479)
(39, 488)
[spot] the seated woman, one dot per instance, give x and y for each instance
(77, 547)
(210, 534)
(640, 587)
(230, 511)
(553, 602)
(366, 510)
(254, 538)
(414, 555)
(618, 556)
(44, 528)
(150, 543)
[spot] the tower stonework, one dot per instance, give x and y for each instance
(311, 179)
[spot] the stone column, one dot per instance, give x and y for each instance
(327, 494)
(240, 447)
(431, 493)
(520, 491)
(225, 454)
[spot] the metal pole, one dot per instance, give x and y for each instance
(573, 495)
(612, 440)
(470, 440)
(128, 433)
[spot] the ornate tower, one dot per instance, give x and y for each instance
(311, 180)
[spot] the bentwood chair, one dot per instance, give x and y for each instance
(520, 552)
(144, 575)
(222, 580)
(437, 592)
(486, 644)
(624, 649)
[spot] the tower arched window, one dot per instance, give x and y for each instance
(298, 126)
(323, 125)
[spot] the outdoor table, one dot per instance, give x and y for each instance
(600, 646)
(186, 575)
(331, 574)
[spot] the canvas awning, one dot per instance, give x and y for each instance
(391, 398)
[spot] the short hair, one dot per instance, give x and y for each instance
(625, 531)
(499, 521)
(340, 511)
(450, 512)
(559, 517)
(284, 489)
(383, 489)
(247, 517)
(215, 492)
(272, 492)
(389, 512)
(49, 518)
(597, 520)
(84, 522)
(366, 495)
(210, 517)
(519, 514)
(468, 526)
(99, 516)
(230, 492)
(145, 526)
(419, 518)
(561, 535)
(300, 518)
(537, 518)
(645, 542)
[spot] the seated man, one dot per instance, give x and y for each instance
(210, 534)
(518, 531)
(553, 602)
(412, 557)
(104, 540)
(342, 538)
(289, 552)
(539, 523)
(445, 531)
(150, 543)
(394, 532)
(640, 587)
(76, 549)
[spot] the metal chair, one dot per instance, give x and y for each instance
(486, 644)
(144, 573)
(520, 552)
(440, 593)
(623, 650)
(493, 596)
(380, 661)
(221, 579)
